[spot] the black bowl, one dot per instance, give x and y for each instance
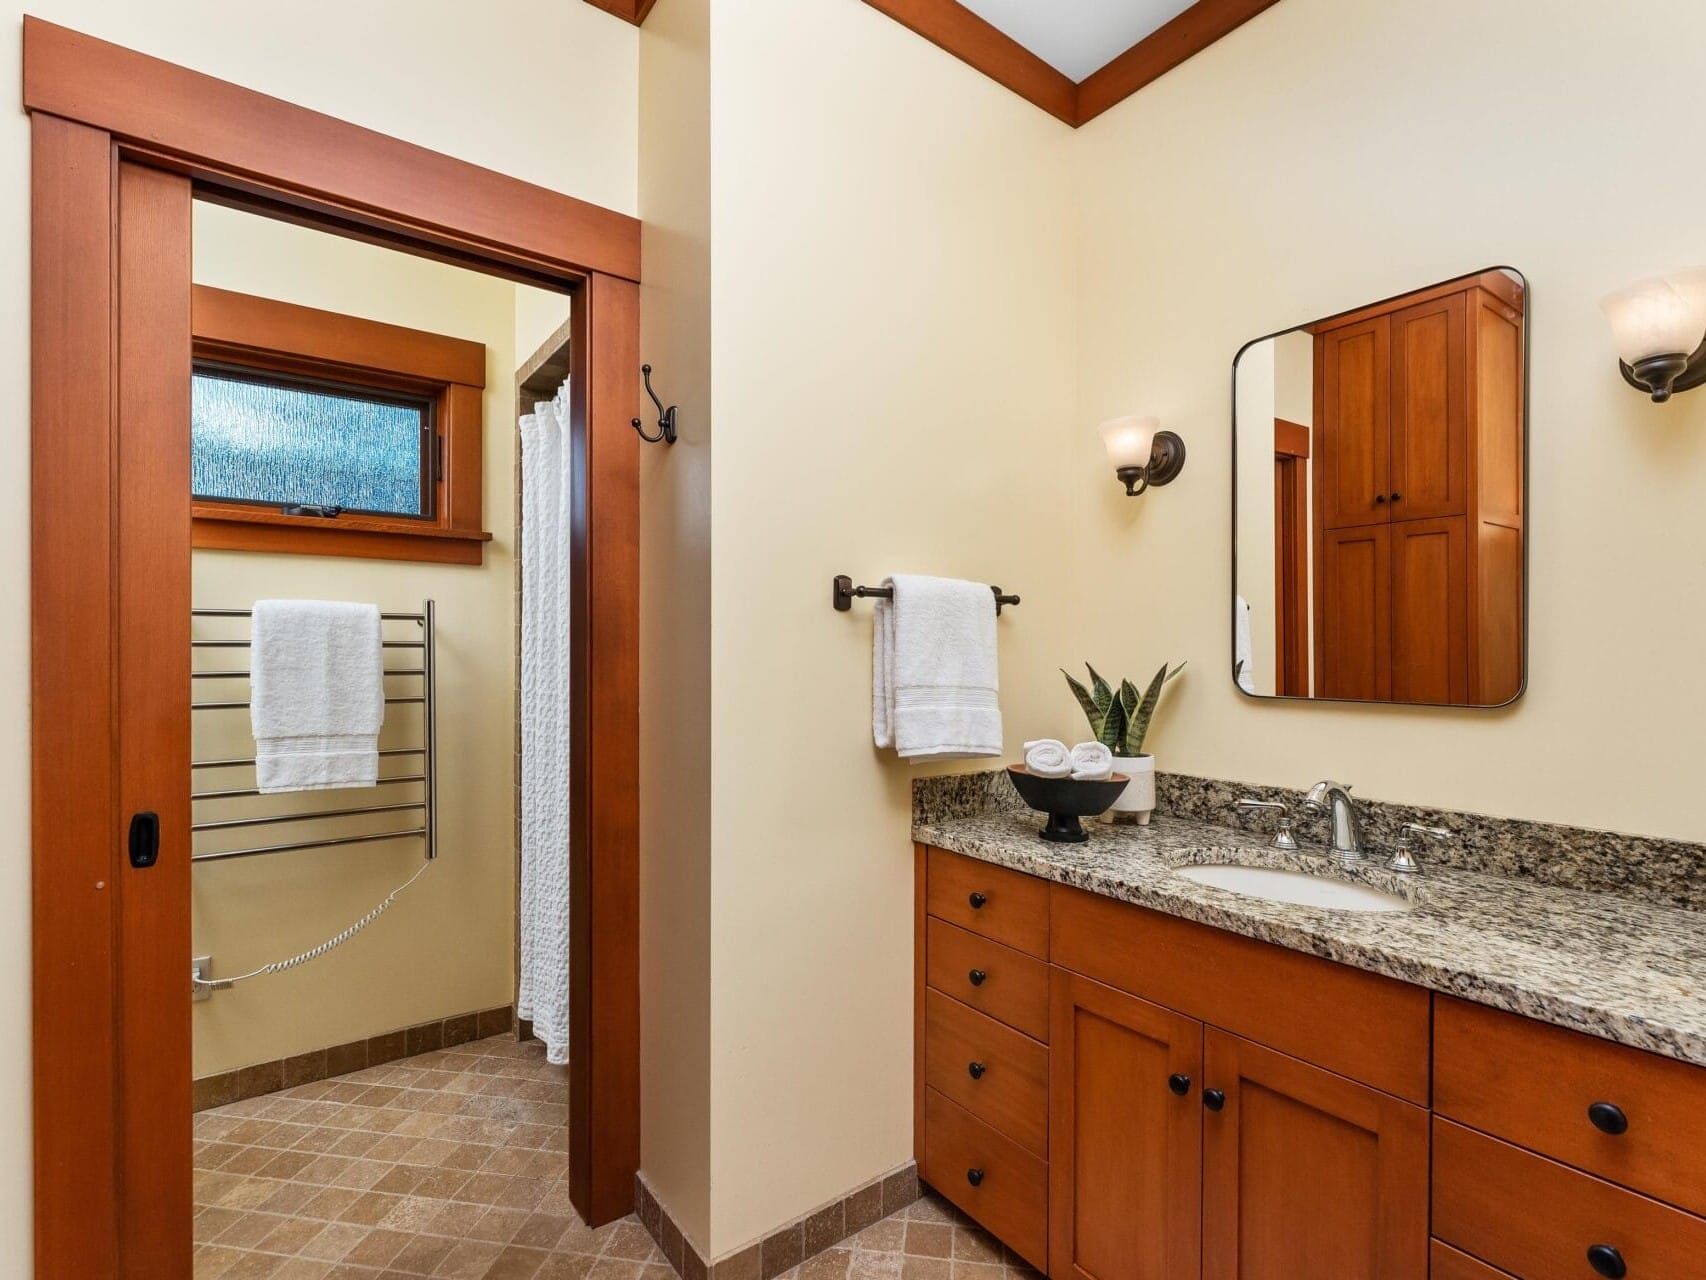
(1065, 800)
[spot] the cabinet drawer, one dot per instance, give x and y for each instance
(991, 978)
(1533, 1084)
(1536, 1218)
(1298, 1004)
(1010, 1194)
(995, 1073)
(1008, 906)
(1446, 1263)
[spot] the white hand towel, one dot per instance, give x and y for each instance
(1048, 758)
(1091, 762)
(317, 694)
(935, 692)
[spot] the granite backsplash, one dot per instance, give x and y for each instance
(1669, 872)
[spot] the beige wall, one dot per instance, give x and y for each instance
(448, 946)
(1440, 138)
(675, 617)
(893, 324)
(439, 79)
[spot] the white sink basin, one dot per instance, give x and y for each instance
(1294, 887)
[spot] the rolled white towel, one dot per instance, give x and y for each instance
(1091, 762)
(1048, 758)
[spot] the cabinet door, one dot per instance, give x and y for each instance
(1125, 1173)
(1353, 614)
(1306, 1173)
(1352, 472)
(1430, 410)
(1430, 610)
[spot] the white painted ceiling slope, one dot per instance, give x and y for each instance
(1077, 37)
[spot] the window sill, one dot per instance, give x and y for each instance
(223, 528)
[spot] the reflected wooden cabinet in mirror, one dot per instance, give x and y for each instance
(1379, 501)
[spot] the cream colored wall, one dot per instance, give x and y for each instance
(448, 946)
(893, 322)
(1440, 138)
(443, 78)
(675, 618)
(1294, 377)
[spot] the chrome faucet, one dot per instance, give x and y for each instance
(1347, 831)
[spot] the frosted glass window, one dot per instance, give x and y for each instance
(260, 440)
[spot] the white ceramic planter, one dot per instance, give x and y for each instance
(1137, 801)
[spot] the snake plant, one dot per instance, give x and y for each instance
(1120, 720)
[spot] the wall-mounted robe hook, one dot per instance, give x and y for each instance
(666, 417)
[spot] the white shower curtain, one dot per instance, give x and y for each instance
(544, 995)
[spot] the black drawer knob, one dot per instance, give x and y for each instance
(1608, 1117)
(1605, 1260)
(1179, 1084)
(978, 977)
(975, 1177)
(1213, 1099)
(975, 1070)
(977, 900)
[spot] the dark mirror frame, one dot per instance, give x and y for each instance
(1527, 502)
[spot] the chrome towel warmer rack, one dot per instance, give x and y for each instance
(427, 752)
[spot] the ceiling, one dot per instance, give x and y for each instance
(1077, 37)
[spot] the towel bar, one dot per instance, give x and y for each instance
(427, 750)
(845, 592)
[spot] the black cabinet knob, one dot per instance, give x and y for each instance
(1213, 1099)
(975, 1177)
(1605, 1260)
(977, 900)
(1379, 499)
(975, 1070)
(977, 977)
(1397, 497)
(1608, 1117)
(1179, 1084)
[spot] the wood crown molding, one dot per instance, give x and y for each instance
(952, 27)
(634, 11)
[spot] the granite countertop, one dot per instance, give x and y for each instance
(1612, 966)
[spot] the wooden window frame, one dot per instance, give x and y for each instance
(265, 336)
(120, 142)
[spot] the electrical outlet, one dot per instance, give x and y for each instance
(201, 967)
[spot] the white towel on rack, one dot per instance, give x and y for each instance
(545, 532)
(317, 694)
(935, 689)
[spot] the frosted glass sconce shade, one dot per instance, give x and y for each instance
(1659, 326)
(1142, 454)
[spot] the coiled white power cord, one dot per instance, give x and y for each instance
(281, 966)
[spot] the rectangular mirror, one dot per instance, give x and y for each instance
(1380, 463)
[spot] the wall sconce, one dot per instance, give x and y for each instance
(1142, 454)
(1660, 329)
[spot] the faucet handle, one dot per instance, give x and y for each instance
(1282, 838)
(1404, 860)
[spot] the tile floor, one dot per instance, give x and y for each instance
(929, 1240)
(452, 1165)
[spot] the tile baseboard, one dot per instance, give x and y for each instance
(790, 1244)
(341, 1059)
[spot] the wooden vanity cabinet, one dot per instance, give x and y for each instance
(1418, 527)
(1124, 1095)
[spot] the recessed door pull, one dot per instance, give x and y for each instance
(144, 840)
